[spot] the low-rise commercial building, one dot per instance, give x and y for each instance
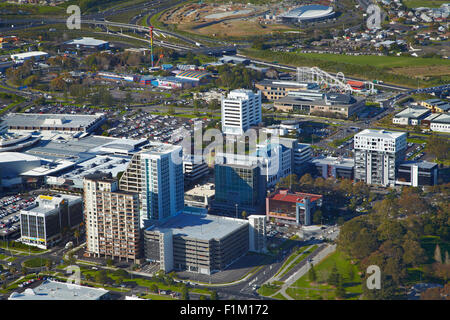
(417, 173)
(438, 122)
(200, 197)
(338, 168)
(436, 105)
(54, 122)
(411, 116)
(277, 89)
(292, 208)
(42, 225)
(315, 102)
(55, 290)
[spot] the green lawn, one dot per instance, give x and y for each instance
(279, 296)
(153, 296)
(303, 289)
(299, 259)
(377, 61)
(423, 3)
(268, 289)
(35, 262)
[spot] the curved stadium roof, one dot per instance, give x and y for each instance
(307, 12)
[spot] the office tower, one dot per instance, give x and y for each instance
(112, 219)
(377, 154)
(241, 109)
(239, 188)
(42, 224)
(257, 233)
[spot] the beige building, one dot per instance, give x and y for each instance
(112, 220)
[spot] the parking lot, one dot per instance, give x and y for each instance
(10, 213)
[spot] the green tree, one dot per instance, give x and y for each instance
(214, 295)
(317, 217)
(340, 290)
(312, 275)
(154, 288)
(333, 278)
(185, 293)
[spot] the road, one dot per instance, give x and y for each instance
(315, 259)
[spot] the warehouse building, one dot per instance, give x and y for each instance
(86, 44)
(36, 55)
(411, 116)
(439, 122)
(197, 242)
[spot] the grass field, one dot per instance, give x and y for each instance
(35, 262)
(303, 289)
(379, 61)
(299, 259)
(365, 67)
(424, 3)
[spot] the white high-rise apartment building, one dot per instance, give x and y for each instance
(377, 154)
(162, 194)
(241, 109)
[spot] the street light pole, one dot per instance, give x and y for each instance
(236, 210)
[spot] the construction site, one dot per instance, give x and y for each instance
(231, 19)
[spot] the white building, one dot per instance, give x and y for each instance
(439, 122)
(241, 109)
(21, 57)
(275, 161)
(411, 116)
(257, 233)
(377, 154)
(162, 194)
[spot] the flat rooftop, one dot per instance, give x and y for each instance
(420, 164)
(54, 290)
(202, 227)
(343, 162)
(202, 190)
(87, 41)
(412, 112)
(160, 148)
(373, 133)
(63, 121)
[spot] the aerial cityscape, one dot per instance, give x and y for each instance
(255, 150)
